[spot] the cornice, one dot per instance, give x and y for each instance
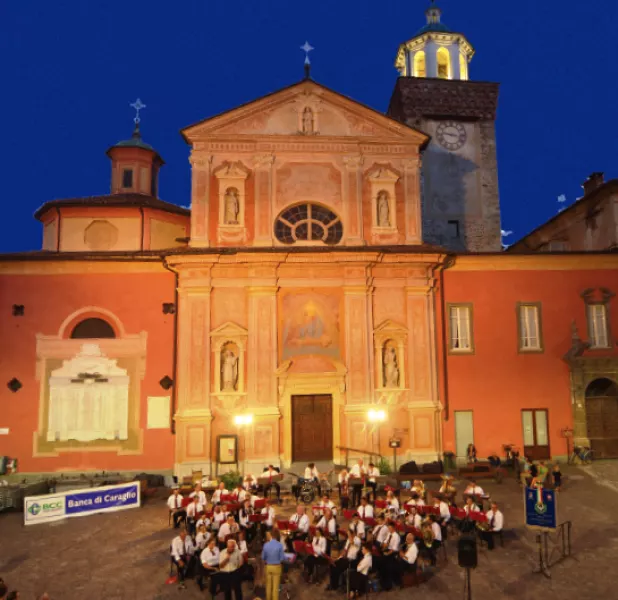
(535, 262)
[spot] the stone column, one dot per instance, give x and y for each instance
(263, 200)
(412, 199)
(193, 412)
(453, 50)
(431, 59)
(200, 199)
(353, 200)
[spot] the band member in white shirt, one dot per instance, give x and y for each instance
(230, 527)
(445, 514)
(193, 513)
(312, 473)
(327, 503)
(182, 552)
(270, 512)
(219, 516)
(372, 473)
(301, 520)
(365, 510)
(466, 525)
(239, 494)
(243, 519)
(357, 527)
(358, 578)
(203, 520)
(390, 552)
(202, 537)
(408, 555)
(418, 501)
(495, 518)
(348, 558)
(269, 472)
(436, 529)
(209, 560)
(358, 471)
(380, 532)
(470, 506)
(413, 519)
(250, 483)
(474, 489)
(220, 491)
(198, 491)
(174, 503)
(230, 567)
(392, 504)
(319, 552)
(328, 525)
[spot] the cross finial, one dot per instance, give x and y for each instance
(306, 48)
(137, 105)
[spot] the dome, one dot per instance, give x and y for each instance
(135, 141)
(437, 27)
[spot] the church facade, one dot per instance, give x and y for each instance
(338, 282)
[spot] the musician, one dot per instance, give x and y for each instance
(239, 494)
(344, 488)
(174, 503)
(466, 524)
(495, 519)
(470, 506)
(413, 519)
(250, 483)
(428, 546)
(372, 473)
(390, 551)
(202, 537)
(415, 501)
(247, 570)
(198, 491)
(357, 527)
(392, 504)
(347, 559)
(220, 491)
(270, 472)
(408, 555)
(358, 472)
(326, 503)
(270, 512)
(203, 520)
(219, 516)
(418, 487)
(243, 519)
(319, 552)
(445, 514)
(380, 532)
(358, 578)
(365, 510)
(193, 512)
(301, 520)
(312, 473)
(471, 453)
(230, 566)
(182, 552)
(328, 525)
(229, 528)
(447, 486)
(209, 561)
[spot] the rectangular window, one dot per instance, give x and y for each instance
(453, 230)
(460, 328)
(127, 178)
(597, 326)
(529, 327)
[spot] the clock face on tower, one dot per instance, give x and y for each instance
(451, 135)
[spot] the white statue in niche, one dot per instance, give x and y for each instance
(391, 367)
(307, 120)
(231, 207)
(229, 369)
(384, 217)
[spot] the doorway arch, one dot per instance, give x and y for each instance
(602, 417)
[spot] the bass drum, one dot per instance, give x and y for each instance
(307, 492)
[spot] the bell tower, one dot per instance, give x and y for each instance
(460, 201)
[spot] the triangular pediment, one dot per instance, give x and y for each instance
(229, 330)
(307, 110)
(390, 326)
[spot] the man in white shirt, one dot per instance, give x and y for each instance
(312, 473)
(174, 503)
(327, 503)
(230, 563)
(268, 473)
(474, 489)
(445, 514)
(182, 551)
(230, 527)
(269, 511)
(390, 552)
(347, 558)
(406, 562)
(197, 491)
(380, 532)
(365, 510)
(193, 512)
(357, 527)
(495, 518)
(209, 560)
(372, 473)
(413, 519)
(357, 472)
(220, 491)
(302, 521)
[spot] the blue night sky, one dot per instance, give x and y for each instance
(70, 68)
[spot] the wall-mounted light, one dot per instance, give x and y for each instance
(243, 420)
(376, 416)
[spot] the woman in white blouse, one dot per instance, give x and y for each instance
(319, 552)
(358, 578)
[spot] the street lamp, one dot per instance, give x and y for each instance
(377, 417)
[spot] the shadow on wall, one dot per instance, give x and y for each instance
(446, 185)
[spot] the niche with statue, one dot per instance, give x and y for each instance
(389, 346)
(228, 344)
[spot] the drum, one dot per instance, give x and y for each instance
(307, 491)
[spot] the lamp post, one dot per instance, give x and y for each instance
(243, 421)
(377, 417)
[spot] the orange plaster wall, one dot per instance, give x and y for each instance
(136, 299)
(497, 382)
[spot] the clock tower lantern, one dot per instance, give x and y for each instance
(460, 203)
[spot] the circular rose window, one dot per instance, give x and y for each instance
(308, 223)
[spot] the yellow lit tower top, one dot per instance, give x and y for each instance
(435, 51)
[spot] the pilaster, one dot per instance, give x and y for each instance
(263, 171)
(353, 199)
(200, 199)
(412, 200)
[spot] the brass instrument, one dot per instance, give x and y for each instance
(483, 525)
(428, 537)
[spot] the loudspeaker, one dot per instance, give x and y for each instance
(466, 552)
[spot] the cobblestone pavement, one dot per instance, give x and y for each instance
(125, 554)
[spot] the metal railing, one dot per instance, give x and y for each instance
(347, 451)
(550, 544)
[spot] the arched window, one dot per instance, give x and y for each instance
(419, 64)
(444, 63)
(92, 329)
(463, 67)
(308, 222)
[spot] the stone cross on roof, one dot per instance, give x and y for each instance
(137, 105)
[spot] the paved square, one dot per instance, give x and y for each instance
(125, 555)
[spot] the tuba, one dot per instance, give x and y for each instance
(428, 538)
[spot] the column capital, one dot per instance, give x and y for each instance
(200, 161)
(263, 161)
(353, 161)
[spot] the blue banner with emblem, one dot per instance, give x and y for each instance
(541, 508)
(79, 503)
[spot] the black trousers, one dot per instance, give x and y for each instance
(490, 538)
(374, 487)
(202, 572)
(185, 569)
(232, 582)
(275, 485)
(337, 569)
(357, 492)
(179, 516)
(388, 571)
(311, 562)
